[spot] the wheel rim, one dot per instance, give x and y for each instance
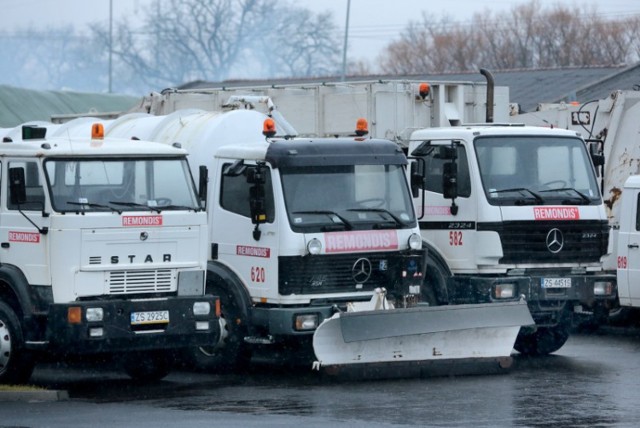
(5, 346)
(210, 350)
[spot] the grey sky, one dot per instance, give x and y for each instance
(373, 23)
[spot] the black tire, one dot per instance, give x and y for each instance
(434, 287)
(147, 366)
(544, 340)
(232, 354)
(16, 363)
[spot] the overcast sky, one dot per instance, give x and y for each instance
(373, 23)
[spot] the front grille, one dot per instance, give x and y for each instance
(333, 273)
(144, 281)
(526, 241)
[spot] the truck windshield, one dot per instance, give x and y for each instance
(360, 197)
(105, 184)
(536, 170)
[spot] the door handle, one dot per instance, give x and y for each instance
(633, 246)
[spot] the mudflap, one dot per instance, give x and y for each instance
(420, 339)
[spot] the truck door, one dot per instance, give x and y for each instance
(629, 249)
(249, 250)
(451, 230)
(21, 244)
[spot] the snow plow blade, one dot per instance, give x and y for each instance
(444, 334)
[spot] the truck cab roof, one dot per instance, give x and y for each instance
(61, 147)
(469, 132)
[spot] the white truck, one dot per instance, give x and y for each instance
(505, 211)
(628, 245)
(314, 242)
(103, 250)
(611, 128)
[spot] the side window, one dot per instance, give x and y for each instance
(435, 166)
(34, 190)
(234, 195)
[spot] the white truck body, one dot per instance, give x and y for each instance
(94, 258)
(473, 254)
(628, 245)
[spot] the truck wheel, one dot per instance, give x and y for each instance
(16, 364)
(546, 340)
(147, 366)
(434, 287)
(232, 354)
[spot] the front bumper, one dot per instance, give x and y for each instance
(118, 333)
(544, 302)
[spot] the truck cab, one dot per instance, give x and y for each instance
(510, 211)
(103, 251)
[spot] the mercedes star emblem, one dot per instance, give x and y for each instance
(555, 240)
(361, 270)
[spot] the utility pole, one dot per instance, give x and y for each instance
(110, 45)
(346, 38)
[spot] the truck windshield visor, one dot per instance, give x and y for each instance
(536, 170)
(120, 184)
(345, 197)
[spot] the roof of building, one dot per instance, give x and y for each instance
(527, 87)
(19, 105)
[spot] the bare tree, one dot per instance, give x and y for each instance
(526, 37)
(185, 40)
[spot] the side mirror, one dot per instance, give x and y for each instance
(417, 179)
(202, 183)
(17, 186)
(596, 155)
(257, 204)
(450, 180)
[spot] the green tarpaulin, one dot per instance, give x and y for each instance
(18, 105)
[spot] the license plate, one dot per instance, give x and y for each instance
(555, 282)
(150, 317)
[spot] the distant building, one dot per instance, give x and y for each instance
(527, 87)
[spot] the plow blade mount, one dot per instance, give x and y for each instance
(463, 333)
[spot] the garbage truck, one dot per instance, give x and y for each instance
(504, 211)
(315, 246)
(628, 246)
(103, 253)
(611, 128)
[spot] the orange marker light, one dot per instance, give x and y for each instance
(269, 128)
(423, 90)
(362, 127)
(74, 315)
(97, 131)
(218, 308)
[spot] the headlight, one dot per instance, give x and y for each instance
(306, 322)
(94, 314)
(201, 308)
(415, 241)
(314, 246)
(505, 291)
(602, 288)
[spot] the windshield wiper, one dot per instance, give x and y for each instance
(176, 207)
(581, 195)
(135, 204)
(347, 224)
(94, 205)
(396, 220)
(537, 197)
